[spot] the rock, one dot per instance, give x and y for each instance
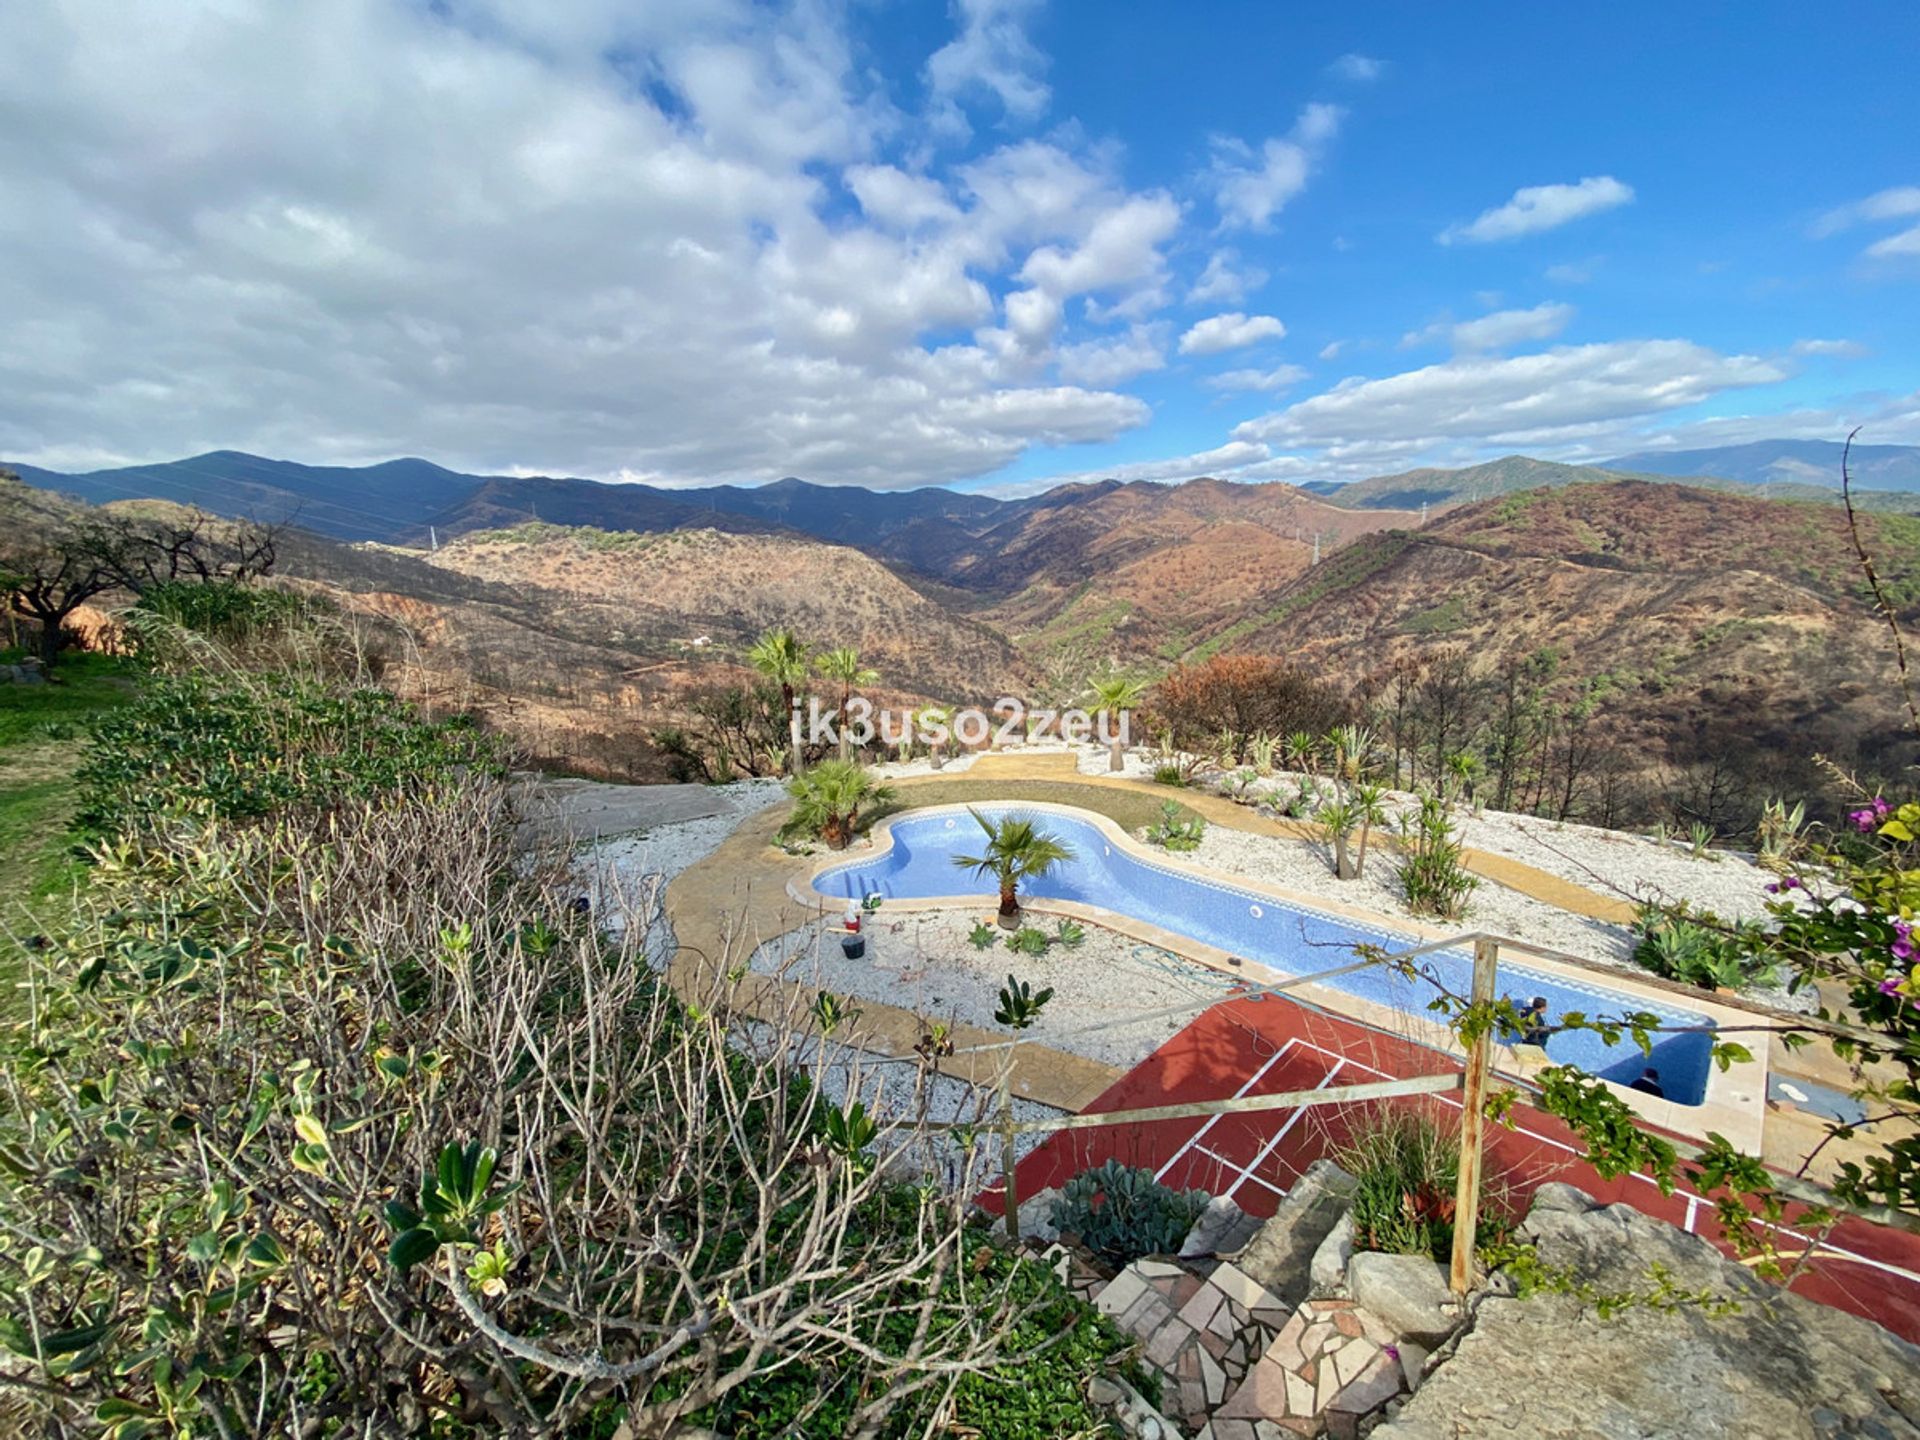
(1036, 1216)
(1549, 1367)
(1327, 1275)
(1222, 1229)
(1279, 1257)
(1131, 1412)
(1413, 1360)
(1408, 1292)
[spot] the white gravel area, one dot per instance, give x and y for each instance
(887, 1089)
(923, 961)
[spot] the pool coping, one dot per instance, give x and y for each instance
(1735, 1101)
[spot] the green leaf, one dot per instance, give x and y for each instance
(410, 1247)
(310, 1130)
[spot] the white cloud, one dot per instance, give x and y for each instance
(563, 271)
(1534, 208)
(1499, 331)
(1904, 243)
(1229, 332)
(1841, 349)
(992, 55)
(1577, 272)
(1557, 396)
(1226, 278)
(1358, 68)
(1895, 204)
(1331, 350)
(1281, 377)
(1114, 359)
(1252, 187)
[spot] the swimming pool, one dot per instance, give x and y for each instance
(1292, 938)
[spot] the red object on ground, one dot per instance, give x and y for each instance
(1265, 1046)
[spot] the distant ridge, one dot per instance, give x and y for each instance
(1787, 462)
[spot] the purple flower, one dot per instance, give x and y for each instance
(1773, 888)
(1890, 985)
(1864, 820)
(1903, 949)
(1880, 807)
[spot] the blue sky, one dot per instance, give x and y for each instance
(990, 245)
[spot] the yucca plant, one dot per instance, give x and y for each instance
(1303, 752)
(1433, 877)
(1352, 750)
(1777, 837)
(1370, 809)
(1017, 849)
(1700, 838)
(828, 801)
(1340, 819)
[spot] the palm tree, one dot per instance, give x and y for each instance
(1351, 745)
(1370, 809)
(779, 656)
(1015, 851)
(1112, 696)
(931, 716)
(828, 799)
(843, 664)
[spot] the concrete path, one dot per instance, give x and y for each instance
(590, 810)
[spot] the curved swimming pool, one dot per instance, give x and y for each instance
(1294, 939)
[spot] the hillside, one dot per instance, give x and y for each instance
(1787, 462)
(661, 593)
(1137, 570)
(1695, 611)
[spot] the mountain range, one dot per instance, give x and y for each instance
(930, 530)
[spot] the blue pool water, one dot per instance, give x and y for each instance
(1289, 938)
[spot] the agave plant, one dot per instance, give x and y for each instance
(1777, 836)
(1016, 850)
(828, 801)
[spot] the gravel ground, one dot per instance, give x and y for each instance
(887, 1090)
(923, 961)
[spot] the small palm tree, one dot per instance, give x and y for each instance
(828, 801)
(1112, 696)
(1016, 850)
(930, 717)
(780, 656)
(1370, 809)
(1340, 818)
(843, 664)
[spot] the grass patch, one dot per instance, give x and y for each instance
(42, 730)
(1130, 809)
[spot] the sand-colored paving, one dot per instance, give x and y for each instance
(726, 905)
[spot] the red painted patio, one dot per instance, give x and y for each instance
(1268, 1045)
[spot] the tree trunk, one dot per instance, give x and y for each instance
(840, 721)
(51, 633)
(1009, 906)
(1360, 863)
(1343, 867)
(796, 733)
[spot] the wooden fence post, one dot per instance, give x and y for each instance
(1466, 1196)
(1008, 1155)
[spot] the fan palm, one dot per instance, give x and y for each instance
(780, 656)
(828, 800)
(1016, 850)
(1112, 696)
(843, 664)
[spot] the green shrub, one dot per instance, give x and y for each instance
(1170, 832)
(202, 747)
(224, 610)
(1121, 1213)
(1696, 948)
(1433, 875)
(1169, 773)
(1406, 1168)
